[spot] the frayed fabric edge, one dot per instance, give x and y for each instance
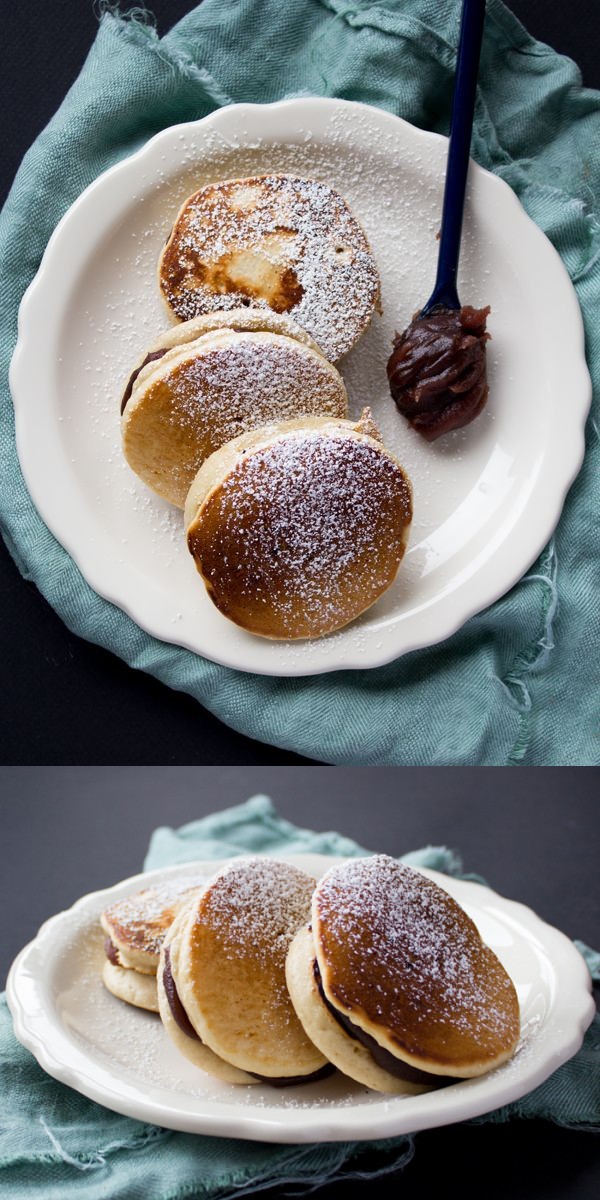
(303, 1157)
(534, 658)
(137, 25)
(93, 1160)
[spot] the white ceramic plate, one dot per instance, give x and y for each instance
(486, 498)
(121, 1056)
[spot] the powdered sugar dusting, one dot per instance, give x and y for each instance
(393, 182)
(401, 950)
(255, 906)
(311, 528)
(126, 1048)
(133, 1046)
(142, 919)
(292, 240)
(248, 381)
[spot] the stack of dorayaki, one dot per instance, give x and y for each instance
(297, 518)
(263, 975)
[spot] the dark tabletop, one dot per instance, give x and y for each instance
(50, 681)
(534, 834)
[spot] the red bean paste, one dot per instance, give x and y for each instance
(437, 370)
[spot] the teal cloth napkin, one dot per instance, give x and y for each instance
(519, 679)
(55, 1144)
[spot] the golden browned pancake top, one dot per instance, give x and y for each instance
(251, 910)
(304, 533)
(139, 922)
(207, 392)
(400, 957)
(273, 241)
(232, 966)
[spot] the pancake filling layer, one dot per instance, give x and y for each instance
(111, 952)
(294, 1080)
(132, 378)
(178, 1012)
(183, 1021)
(383, 1058)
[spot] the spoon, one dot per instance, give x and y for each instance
(437, 371)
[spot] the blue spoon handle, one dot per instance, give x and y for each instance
(471, 32)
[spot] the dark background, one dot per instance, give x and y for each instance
(534, 834)
(61, 699)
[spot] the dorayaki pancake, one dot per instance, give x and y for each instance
(401, 968)
(238, 320)
(230, 970)
(174, 1017)
(135, 928)
(278, 242)
(131, 986)
(186, 403)
(323, 1028)
(298, 528)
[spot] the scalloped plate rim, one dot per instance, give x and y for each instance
(463, 602)
(44, 1035)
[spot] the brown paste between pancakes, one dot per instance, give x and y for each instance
(382, 1057)
(437, 370)
(183, 1022)
(178, 1012)
(111, 952)
(152, 357)
(439, 994)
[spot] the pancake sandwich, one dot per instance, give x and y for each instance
(299, 527)
(277, 242)
(174, 1016)
(222, 989)
(393, 983)
(239, 320)
(202, 387)
(135, 928)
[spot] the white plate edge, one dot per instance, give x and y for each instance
(324, 1125)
